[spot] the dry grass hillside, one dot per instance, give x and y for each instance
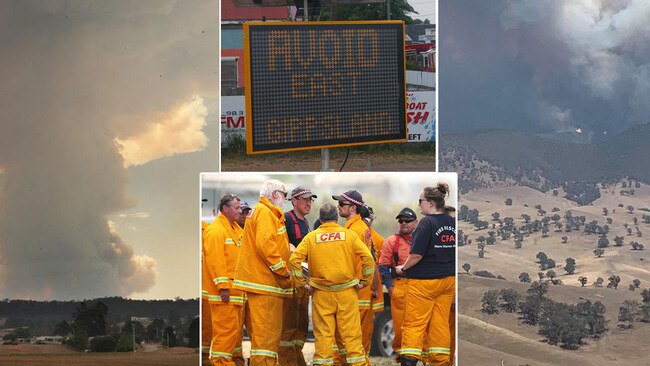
(490, 339)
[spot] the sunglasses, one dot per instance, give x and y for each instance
(283, 192)
(341, 204)
(308, 199)
(407, 221)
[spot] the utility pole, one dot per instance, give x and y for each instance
(133, 328)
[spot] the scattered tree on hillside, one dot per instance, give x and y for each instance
(490, 302)
(555, 193)
(599, 252)
(630, 208)
(193, 333)
(542, 257)
(564, 239)
(526, 218)
(467, 267)
(495, 216)
(524, 277)
(599, 282)
(508, 201)
(618, 241)
(646, 219)
(481, 253)
(605, 211)
(462, 213)
(551, 274)
(636, 246)
(518, 243)
(582, 280)
(609, 220)
(545, 231)
(570, 266)
(629, 231)
(603, 242)
(613, 282)
(550, 263)
(541, 275)
(636, 282)
(635, 220)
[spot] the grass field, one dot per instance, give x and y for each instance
(54, 355)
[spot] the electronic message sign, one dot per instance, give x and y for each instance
(321, 84)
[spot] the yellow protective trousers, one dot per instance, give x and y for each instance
(227, 320)
(397, 311)
(266, 328)
(294, 333)
(337, 311)
(206, 327)
(428, 303)
(452, 333)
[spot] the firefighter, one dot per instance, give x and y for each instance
(350, 205)
(245, 209)
(262, 271)
(394, 252)
(222, 242)
(332, 253)
(296, 309)
(206, 320)
(369, 217)
(430, 272)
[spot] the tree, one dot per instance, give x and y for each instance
(526, 218)
(103, 344)
(627, 313)
(630, 208)
(495, 216)
(570, 266)
(481, 253)
(564, 239)
(155, 330)
(524, 277)
(169, 337)
(508, 201)
(613, 281)
(542, 257)
(605, 211)
(511, 299)
(193, 333)
(599, 252)
(618, 241)
(462, 213)
(603, 242)
(645, 294)
(636, 282)
(490, 302)
(551, 274)
(599, 282)
(62, 329)
(467, 267)
(399, 10)
(128, 331)
(594, 314)
(91, 321)
(582, 280)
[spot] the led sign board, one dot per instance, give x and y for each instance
(322, 84)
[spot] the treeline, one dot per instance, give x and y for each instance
(42, 316)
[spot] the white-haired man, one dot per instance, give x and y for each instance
(262, 271)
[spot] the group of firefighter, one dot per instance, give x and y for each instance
(260, 265)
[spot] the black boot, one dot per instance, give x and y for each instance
(408, 361)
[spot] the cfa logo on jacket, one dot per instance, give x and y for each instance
(327, 237)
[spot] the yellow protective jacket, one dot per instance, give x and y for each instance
(265, 253)
(357, 225)
(332, 253)
(221, 246)
(377, 242)
(205, 278)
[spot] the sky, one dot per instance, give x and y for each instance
(109, 113)
(426, 9)
(544, 66)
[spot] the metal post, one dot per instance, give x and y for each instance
(325, 160)
(133, 328)
(306, 12)
(388, 9)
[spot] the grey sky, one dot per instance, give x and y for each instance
(544, 66)
(108, 115)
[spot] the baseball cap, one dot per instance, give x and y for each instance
(245, 206)
(350, 196)
(407, 212)
(302, 192)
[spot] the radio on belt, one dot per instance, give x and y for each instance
(323, 84)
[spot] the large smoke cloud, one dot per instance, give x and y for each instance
(76, 76)
(544, 66)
